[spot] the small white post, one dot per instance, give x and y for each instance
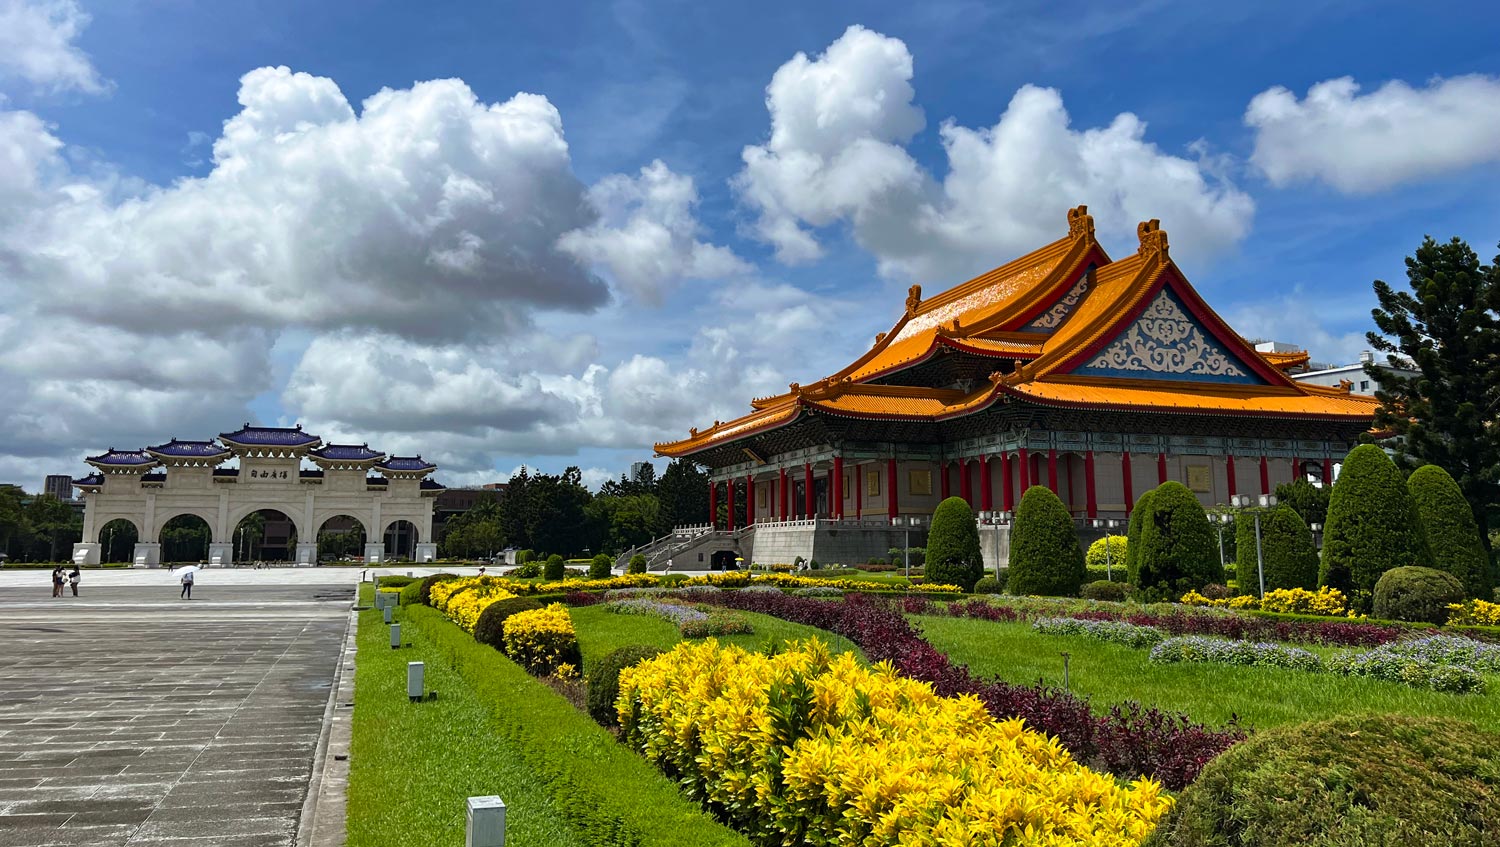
(415, 690)
(388, 612)
(395, 635)
(485, 822)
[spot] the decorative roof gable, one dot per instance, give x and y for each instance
(1165, 342)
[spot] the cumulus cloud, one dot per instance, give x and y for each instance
(837, 153)
(36, 46)
(1361, 143)
(647, 237)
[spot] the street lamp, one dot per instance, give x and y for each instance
(906, 523)
(1316, 528)
(1265, 501)
(1001, 518)
(1109, 525)
(1222, 520)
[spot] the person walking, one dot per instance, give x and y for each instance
(73, 579)
(57, 581)
(187, 586)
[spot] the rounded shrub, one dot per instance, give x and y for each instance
(1177, 549)
(490, 628)
(1103, 589)
(953, 556)
(554, 569)
(1354, 781)
(637, 564)
(397, 581)
(1372, 525)
(411, 594)
(1291, 560)
(601, 567)
(524, 556)
(424, 593)
(988, 585)
(1108, 554)
(1133, 537)
(604, 680)
(1417, 594)
(530, 570)
(1452, 533)
(1045, 557)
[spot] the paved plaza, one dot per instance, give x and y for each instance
(131, 717)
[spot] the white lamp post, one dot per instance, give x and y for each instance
(1109, 525)
(906, 523)
(1000, 518)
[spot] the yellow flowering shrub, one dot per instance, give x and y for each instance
(1193, 598)
(740, 579)
(1243, 601)
(543, 641)
(1474, 613)
(634, 580)
(1300, 601)
(810, 748)
(462, 600)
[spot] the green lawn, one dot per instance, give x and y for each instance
(1262, 697)
(601, 631)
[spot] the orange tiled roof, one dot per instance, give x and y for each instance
(1193, 398)
(1286, 361)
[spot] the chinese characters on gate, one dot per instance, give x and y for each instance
(254, 474)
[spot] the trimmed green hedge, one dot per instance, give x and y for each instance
(601, 567)
(1133, 537)
(1452, 533)
(1287, 545)
(490, 628)
(554, 569)
(424, 594)
(1417, 594)
(637, 564)
(1177, 548)
(606, 794)
(604, 680)
(1372, 525)
(953, 556)
(1045, 557)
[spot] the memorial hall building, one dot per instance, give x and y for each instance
(1097, 377)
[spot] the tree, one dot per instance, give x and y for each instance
(1177, 549)
(683, 492)
(54, 524)
(1045, 557)
(1133, 538)
(1448, 330)
(1308, 500)
(1286, 544)
(953, 556)
(1372, 525)
(1452, 533)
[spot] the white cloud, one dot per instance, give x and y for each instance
(647, 237)
(837, 153)
(1360, 143)
(36, 45)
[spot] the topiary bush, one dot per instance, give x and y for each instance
(1103, 589)
(1417, 594)
(601, 567)
(1108, 554)
(1045, 557)
(988, 585)
(953, 556)
(1177, 549)
(637, 564)
(397, 581)
(1291, 560)
(424, 593)
(555, 568)
(1357, 781)
(524, 556)
(411, 594)
(1133, 537)
(604, 680)
(490, 628)
(1452, 533)
(1372, 525)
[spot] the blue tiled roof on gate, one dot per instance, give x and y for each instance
(405, 463)
(347, 453)
(433, 485)
(93, 480)
(124, 458)
(189, 449)
(270, 436)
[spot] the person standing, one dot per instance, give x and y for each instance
(73, 579)
(57, 581)
(187, 586)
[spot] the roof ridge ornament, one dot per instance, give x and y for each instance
(913, 299)
(1080, 222)
(1153, 239)
(879, 337)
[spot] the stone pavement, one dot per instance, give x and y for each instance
(130, 717)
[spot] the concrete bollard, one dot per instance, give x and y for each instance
(415, 689)
(484, 824)
(388, 612)
(395, 635)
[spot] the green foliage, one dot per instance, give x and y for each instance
(988, 585)
(524, 556)
(1177, 547)
(555, 568)
(637, 564)
(1309, 501)
(397, 581)
(1103, 589)
(1417, 594)
(478, 532)
(185, 538)
(953, 556)
(1372, 525)
(1291, 560)
(1108, 553)
(530, 570)
(604, 680)
(1045, 557)
(683, 491)
(1452, 534)
(1133, 537)
(411, 594)
(1356, 781)
(424, 593)
(490, 628)
(601, 566)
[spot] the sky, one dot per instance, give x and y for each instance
(510, 234)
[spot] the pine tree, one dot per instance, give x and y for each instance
(1045, 557)
(1452, 533)
(1372, 525)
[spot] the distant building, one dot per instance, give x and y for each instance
(637, 469)
(1335, 376)
(59, 485)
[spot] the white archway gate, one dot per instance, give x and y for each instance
(149, 486)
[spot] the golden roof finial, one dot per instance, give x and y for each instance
(1347, 386)
(795, 388)
(1080, 222)
(913, 299)
(1153, 239)
(879, 337)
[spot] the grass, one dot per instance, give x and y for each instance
(600, 632)
(1261, 697)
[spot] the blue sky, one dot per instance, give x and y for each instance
(490, 297)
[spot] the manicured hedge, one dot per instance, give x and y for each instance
(607, 794)
(604, 680)
(601, 566)
(1417, 594)
(1286, 543)
(1372, 525)
(1177, 547)
(1133, 537)
(1045, 557)
(1452, 533)
(953, 556)
(424, 594)
(490, 628)
(637, 564)
(555, 568)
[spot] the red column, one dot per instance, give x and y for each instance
(713, 504)
(1265, 476)
(729, 499)
(1025, 461)
(859, 492)
(965, 490)
(1129, 484)
(1161, 467)
(986, 498)
(809, 496)
(1229, 475)
(749, 500)
(1052, 470)
(893, 505)
(943, 471)
(838, 487)
(1007, 491)
(1327, 471)
(782, 500)
(1090, 502)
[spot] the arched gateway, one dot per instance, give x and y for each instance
(128, 485)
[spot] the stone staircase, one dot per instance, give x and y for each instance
(682, 546)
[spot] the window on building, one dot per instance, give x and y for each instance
(1364, 385)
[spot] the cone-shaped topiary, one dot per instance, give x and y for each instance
(1133, 537)
(1452, 533)
(1372, 525)
(601, 566)
(1287, 545)
(1045, 557)
(555, 568)
(953, 546)
(1178, 548)
(637, 564)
